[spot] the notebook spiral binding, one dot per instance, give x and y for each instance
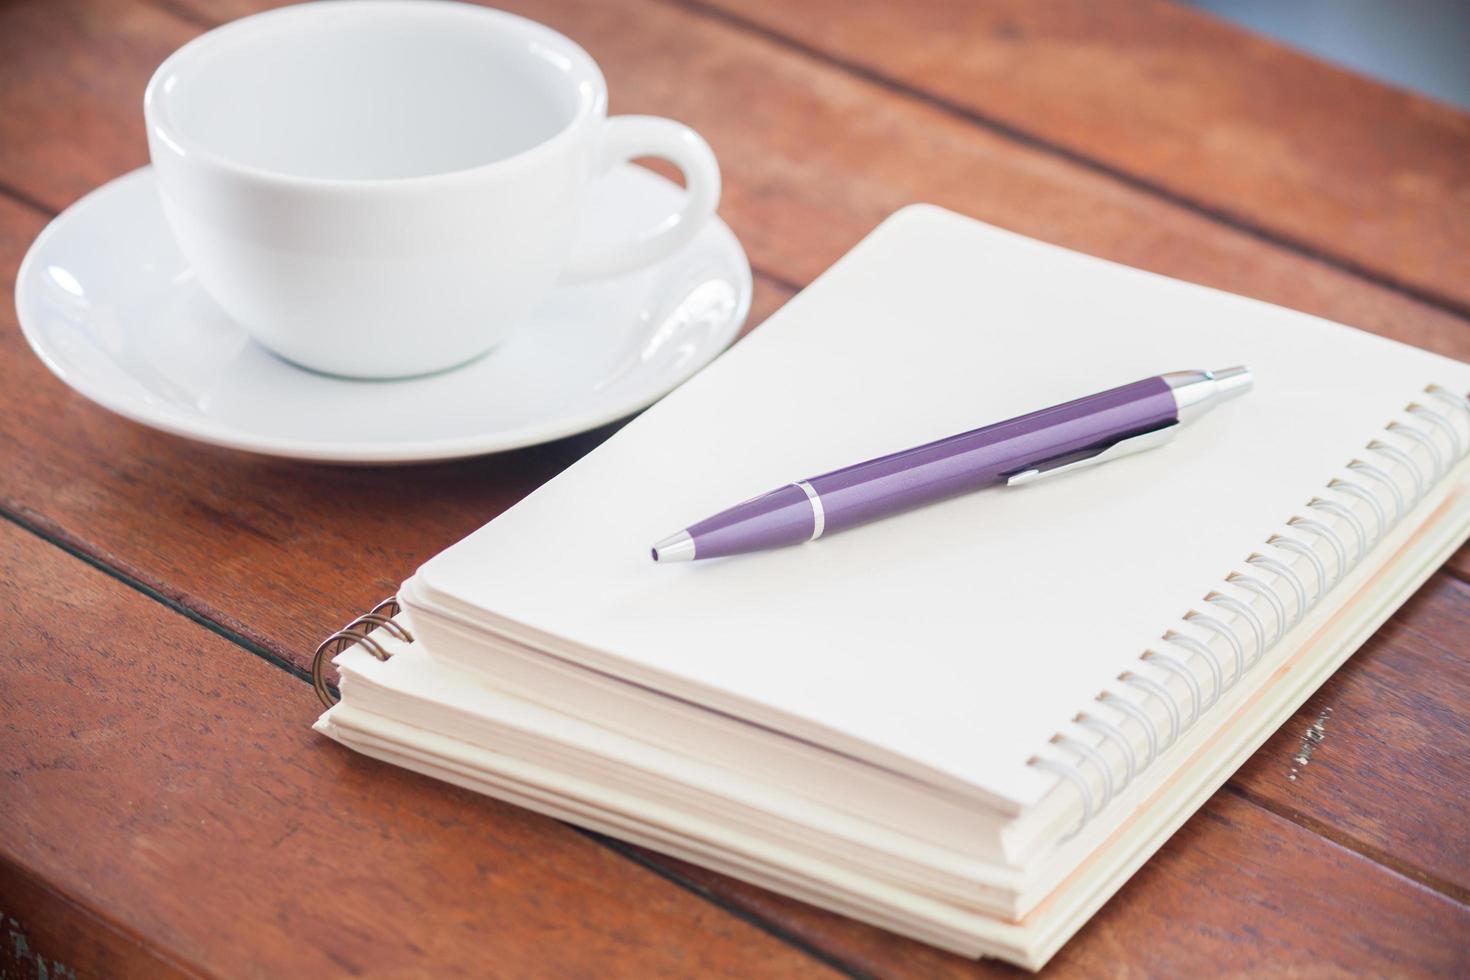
(357, 632)
(1252, 637)
(1245, 652)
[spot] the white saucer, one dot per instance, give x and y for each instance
(109, 304)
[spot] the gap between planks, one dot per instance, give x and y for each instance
(162, 963)
(1004, 130)
(1023, 137)
(1007, 131)
(1455, 572)
(66, 543)
(715, 898)
(77, 549)
(206, 618)
(22, 198)
(1331, 834)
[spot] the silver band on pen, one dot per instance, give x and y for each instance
(819, 516)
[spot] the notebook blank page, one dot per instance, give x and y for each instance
(959, 637)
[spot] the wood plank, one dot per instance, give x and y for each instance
(1459, 564)
(1389, 767)
(1262, 135)
(234, 538)
(1237, 891)
(332, 539)
(44, 933)
(813, 156)
(167, 782)
(275, 551)
(226, 797)
(1389, 781)
(71, 93)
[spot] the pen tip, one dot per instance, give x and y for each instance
(675, 547)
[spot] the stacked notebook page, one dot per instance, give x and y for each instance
(972, 722)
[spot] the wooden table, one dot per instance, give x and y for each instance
(164, 808)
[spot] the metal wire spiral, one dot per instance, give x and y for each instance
(1082, 755)
(359, 633)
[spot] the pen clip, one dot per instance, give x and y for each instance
(1123, 447)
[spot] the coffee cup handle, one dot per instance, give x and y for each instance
(628, 137)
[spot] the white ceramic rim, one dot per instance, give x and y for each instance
(591, 102)
(422, 451)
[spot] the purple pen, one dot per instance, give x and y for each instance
(1055, 440)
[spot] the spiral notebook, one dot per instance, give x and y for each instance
(972, 722)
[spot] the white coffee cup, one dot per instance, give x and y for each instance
(383, 188)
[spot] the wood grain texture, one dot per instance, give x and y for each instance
(1238, 891)
(1391, 771)
(171, 788)
(157, 776)
(814, 156)
(274, 551)
(66, 69)
(1459, 564)
(332, 539)
(223, 519)
(1376, 178)
(1387, 782)
(45, 935)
